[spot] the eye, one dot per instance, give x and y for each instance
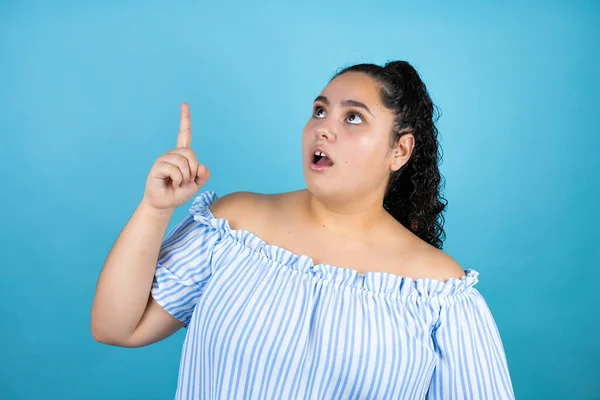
(354, 118)
(319, 112)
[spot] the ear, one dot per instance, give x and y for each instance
(402, 151)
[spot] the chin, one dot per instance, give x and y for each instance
(320, 185)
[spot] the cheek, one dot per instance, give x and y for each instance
(305, 139)
(366, 147)
(306, 132)
(366, 153)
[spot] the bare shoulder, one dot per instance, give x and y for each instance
(241, 209)
(440, 265)
(423, 259)
(255, 212)
(235, 203)
(427, 261)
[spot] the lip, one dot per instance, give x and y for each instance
(314, 166)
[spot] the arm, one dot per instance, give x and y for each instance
(148, 289)
(471, 359)
(123, 312)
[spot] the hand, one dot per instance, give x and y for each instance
(176, 175)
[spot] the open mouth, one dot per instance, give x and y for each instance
(321, 159)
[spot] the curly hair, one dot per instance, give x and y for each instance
(413, 194)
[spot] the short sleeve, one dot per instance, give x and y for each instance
(471, 363)
(184, 266)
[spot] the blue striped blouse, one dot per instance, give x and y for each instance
(265, 323)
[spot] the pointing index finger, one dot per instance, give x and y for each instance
(184, 138)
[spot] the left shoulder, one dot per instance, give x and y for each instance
(437, 264)
(424, 260)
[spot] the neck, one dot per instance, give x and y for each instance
(355, 216)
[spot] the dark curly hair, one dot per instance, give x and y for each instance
(413, 195)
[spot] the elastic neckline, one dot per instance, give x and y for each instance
(376, 282)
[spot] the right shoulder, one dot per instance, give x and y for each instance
(242, 210)
(255, 211)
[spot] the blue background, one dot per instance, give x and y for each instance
(90, 97)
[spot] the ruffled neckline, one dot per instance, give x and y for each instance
(375, 282)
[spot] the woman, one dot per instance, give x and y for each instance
(337, 291)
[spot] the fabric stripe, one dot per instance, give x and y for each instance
(265, 323)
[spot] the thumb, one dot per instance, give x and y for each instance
(202, 175)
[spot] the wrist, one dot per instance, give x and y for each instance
(147, 209)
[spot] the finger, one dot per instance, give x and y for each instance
(190, 155)
(181, 162)
(202, 175)
(168, 170)
(184, 138)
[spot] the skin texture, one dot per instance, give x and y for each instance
(358, 142)
(338, 219)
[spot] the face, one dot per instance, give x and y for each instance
(350, 131)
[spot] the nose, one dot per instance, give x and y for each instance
(325, 134)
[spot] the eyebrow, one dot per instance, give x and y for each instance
(346, 103)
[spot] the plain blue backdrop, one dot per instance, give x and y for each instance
(90, 96)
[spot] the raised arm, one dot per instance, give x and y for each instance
(123, 311)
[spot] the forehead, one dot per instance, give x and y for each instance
(353, 86)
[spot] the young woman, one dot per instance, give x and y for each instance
(337, 291)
